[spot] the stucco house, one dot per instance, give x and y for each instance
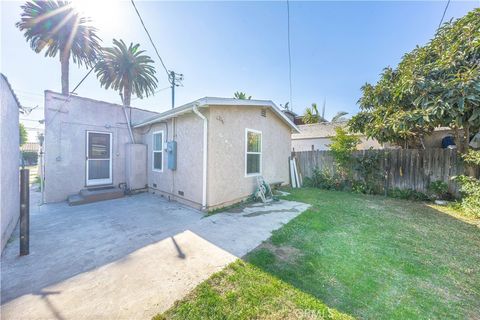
(9, 161)
(206, 154)
(317, 136)
(84, 144)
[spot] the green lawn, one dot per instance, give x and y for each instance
(366, 256)
(242, 291)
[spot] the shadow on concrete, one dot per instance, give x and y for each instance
(181, 255)
(44, 296)
(68, 241)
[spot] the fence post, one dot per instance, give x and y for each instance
(24, 212)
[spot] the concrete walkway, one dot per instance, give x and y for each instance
(129, 258)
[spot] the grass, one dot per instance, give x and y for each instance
(366, 256)
(242, 291)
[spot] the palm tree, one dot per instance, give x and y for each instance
(311, 115)
(126, 70)
(339, 117)
(56, 26)
(241, 96)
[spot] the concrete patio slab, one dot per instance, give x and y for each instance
(129, 258)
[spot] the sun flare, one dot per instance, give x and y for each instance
(102, 12)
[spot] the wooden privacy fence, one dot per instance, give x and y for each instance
(398, 168)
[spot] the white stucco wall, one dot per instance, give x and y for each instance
(9, 162)
(188, 132)
(227, 182)
(66, 125)
(322, 144)
(306, 144)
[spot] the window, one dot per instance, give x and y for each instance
(157, 147)
(253, 152)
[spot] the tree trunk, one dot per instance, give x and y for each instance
(127, 96)
(422, 141)
(466, 139)
(457, 138)
(64, 61)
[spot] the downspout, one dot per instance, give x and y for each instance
(127, 119)
(128, 125)
(205, 152)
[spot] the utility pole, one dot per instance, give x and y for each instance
(175, 80)
(323, 108)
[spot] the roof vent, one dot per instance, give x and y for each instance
(264, 113)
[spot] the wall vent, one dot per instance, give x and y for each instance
(264, 113)
(154, 185)
(180, 193)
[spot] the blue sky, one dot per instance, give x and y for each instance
(222, 47)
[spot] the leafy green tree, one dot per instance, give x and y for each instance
(127, 70)
(342, 146)
(23, 134)
(434, 85)
(58, 28)
(241, 96)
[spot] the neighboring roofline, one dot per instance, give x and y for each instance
(13, 93)
(324, 123)
(215, 101)
(95, 100)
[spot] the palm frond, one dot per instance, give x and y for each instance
(339, 116)
(126, 67)
(57, 27)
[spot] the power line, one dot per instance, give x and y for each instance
(149, 37)
(443, 16)
(289, 52)
(70, 94)
(173, 77)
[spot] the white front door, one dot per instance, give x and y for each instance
(99, 158)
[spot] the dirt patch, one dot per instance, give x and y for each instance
(283, 253)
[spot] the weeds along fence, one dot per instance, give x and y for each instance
(398, 168)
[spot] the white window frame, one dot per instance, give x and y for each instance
(96, 182)
(157, 151)
(247, 130)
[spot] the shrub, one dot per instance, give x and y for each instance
(438, 190)
(30, 157)
(470, 187)
(324, 179)
(368, 169)
(472, 157)
(408, 194)
(361, 187)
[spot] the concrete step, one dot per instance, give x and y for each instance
(75, 200)
(94, 195)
